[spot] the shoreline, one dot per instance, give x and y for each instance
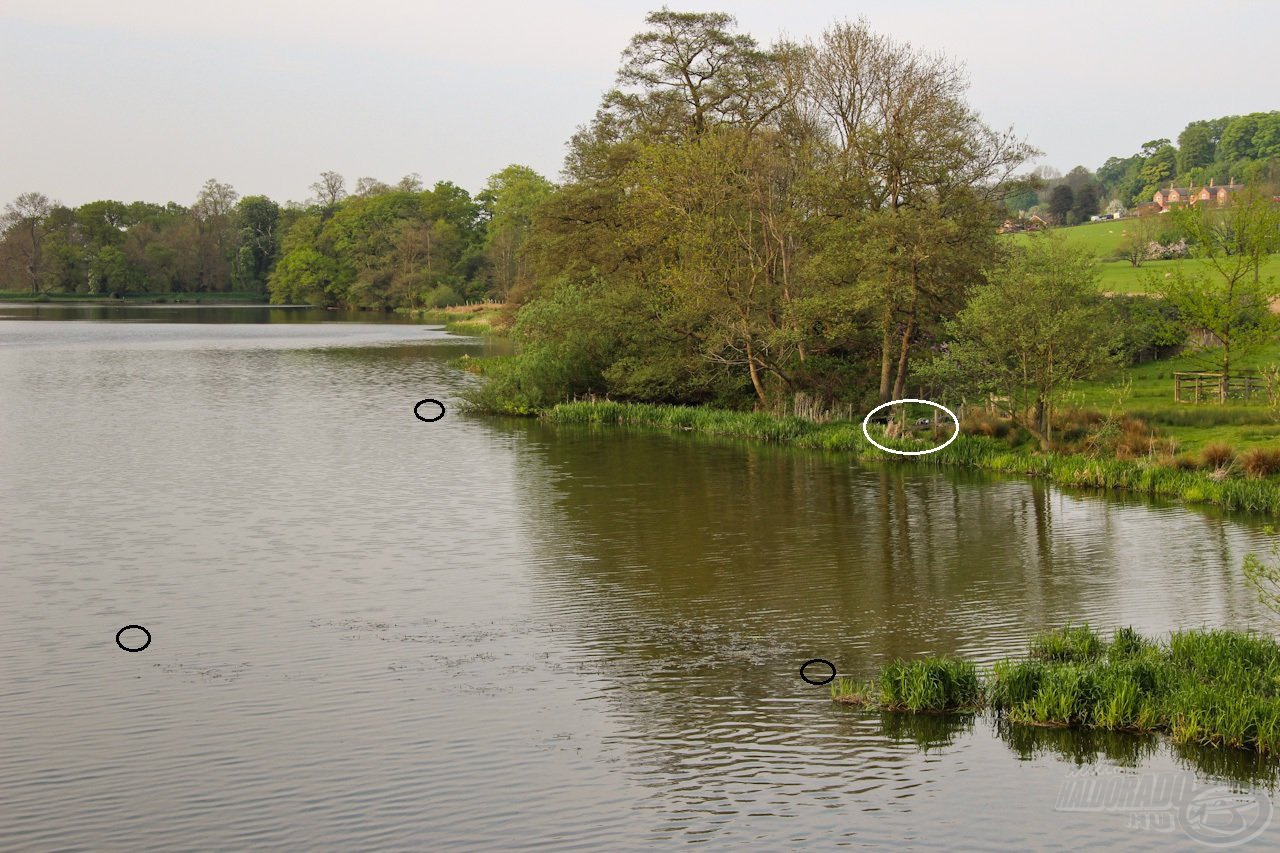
(1143, 477)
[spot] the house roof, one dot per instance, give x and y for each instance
(1188, 191)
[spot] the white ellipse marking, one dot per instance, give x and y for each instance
(952, 414)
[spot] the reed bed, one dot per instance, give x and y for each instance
(1206, 687)
(1151, 475)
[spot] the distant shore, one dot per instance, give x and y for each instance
(228, 299)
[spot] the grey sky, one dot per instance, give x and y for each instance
(145, 99)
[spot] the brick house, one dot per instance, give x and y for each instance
(1212, 194)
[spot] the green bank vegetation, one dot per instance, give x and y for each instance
(484, 320)
(1210, 687)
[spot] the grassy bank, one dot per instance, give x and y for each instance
(1144, 476)
(1214, 688)
(244, 297)
(474, 320)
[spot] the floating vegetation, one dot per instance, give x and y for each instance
(1206, 688)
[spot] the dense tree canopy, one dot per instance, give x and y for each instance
(757, 223)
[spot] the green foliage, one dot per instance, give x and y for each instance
(1242, 147)
(1145, 325)
(932, 684)
(1158, 169)
(1227, 297)
(390, 249)
(1061, 200)
(511, 201)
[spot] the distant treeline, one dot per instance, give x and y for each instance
(382, 246)
(1244, 148)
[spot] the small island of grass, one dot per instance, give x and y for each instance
(1210, 687)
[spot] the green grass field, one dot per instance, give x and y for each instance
(1149, 395)
(1104, 238)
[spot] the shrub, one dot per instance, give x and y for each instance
(441, 296)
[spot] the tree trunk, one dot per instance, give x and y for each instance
(755, 376)
(886, 359)
(1040, 419)
(899, 385)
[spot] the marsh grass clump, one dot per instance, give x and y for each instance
(1127, 643)
(854, 692)
(927, 685)
(1202, 687)
(931, 684)
(1067, 644)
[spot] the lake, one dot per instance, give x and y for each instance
(373, 632)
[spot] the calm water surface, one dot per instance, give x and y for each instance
(371, 632)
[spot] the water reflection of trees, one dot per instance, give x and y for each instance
(807, 552)
(689, 578)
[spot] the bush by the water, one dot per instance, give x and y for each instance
(1208, 687)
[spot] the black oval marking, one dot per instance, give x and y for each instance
(809, 680)
(428, 420)
(139, 648)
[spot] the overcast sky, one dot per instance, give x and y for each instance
(145, 99)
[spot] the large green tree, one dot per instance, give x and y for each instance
(899, 157)
(511, 199)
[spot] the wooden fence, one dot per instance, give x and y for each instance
(1214, 388)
